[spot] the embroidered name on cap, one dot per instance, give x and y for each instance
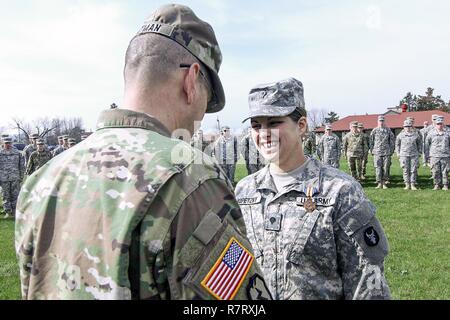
(157, 27)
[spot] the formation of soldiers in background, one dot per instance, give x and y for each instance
(432, 142)
(16, 165)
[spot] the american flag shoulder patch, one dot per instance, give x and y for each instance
(226, 276)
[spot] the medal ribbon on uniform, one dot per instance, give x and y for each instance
(310, 206)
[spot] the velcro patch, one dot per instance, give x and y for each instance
(226, 276)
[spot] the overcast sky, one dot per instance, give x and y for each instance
(65, 57)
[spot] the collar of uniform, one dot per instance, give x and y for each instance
(121, 118)
(309, 176)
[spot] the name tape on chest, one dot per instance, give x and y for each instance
(249, 200)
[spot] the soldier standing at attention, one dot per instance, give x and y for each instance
(29, 149)
(198, 141)
(438, 148)
(329, 148)
(366, 149)
(11, 174)
(382, 146)
(38, 158)
(60, 148)
(254, 160)
(408, 146)
(423, 133)
(314, 231)
(353, 148)
(309, 144)
(122, 215)
(226, 151)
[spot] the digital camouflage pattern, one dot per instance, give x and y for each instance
(408, 147)
(58, 150)
(382, 146)
(276, 99)
(366, 152)
(180, 24)
(437, 147)
(254, 160)
(128, 213)
(27, 151)
(37, 160)
(12, 169)
(334, 251)
(329, 150)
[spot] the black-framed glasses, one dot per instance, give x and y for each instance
(208, 83)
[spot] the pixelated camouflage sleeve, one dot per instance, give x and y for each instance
(361, 247)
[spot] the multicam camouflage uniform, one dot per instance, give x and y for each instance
(366, 152)
(117, 217)
(353, 146)
(254, 161)
(309, 144)
(37, 160)
(437, 147)
(335, 251)
(382, 145)
(408, 147)
(329, 150)
(12, 169)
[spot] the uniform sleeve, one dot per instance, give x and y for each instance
(397, 145)
(339, 147)
(30, 166)
(371, 140)
(392, 140)
(207, 222)
(361, 247)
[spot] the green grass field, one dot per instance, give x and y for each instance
(417, 224)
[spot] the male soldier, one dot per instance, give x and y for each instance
(329, 148)
(309, 144)
(29, 149)
(423, 133)
(72, 142)
(131, 213)
(38, 158)
(429, 129)
(254, 161)
(408, 147)
(366, 149)
(382, 146)
(60, 148)
(198, 141)
(225, 150)
(438, 148)
(353, 148)
(11, 174)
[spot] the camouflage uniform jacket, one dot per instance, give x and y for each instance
(353, 145)
(250, 152)
(437, 144)
(27, 151)
(226, 150)
(408, 144)
(366, 143)
(334, 251)
(329, 147)
(309, 146)
(382, 141)
(12, 167)
(59, 149)
(37, 160)
(118, 217)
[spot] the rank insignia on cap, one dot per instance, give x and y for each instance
(226, 276)
(371, 237)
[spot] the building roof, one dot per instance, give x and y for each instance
(393, 121)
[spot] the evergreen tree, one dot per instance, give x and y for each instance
(331, 117)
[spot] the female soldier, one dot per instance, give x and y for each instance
(313, 230)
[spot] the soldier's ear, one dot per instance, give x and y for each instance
(302, 126)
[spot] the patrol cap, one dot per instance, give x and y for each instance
(179, 23)
(5, 135)
(360, 125)
(354, 123)
(65, 137)
(60, 137)
(434, 116)
(40, 142)
(34, 136)
(380, 118)
(7, 140)
(407, 123)
(225, 128)
(276, 99)
(327, 127)
(439, 120)
(410, 118)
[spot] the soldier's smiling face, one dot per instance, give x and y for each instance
(277, 138)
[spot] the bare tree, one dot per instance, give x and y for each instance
(316, 118)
